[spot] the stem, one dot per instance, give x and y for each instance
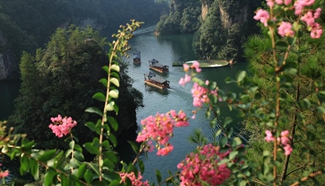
(104, 117)
(311, 175)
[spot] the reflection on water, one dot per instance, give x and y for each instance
(150, 89)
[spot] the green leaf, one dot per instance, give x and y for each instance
(115, 68)
(24, 164)
(91, 149)
(115, 81)
(111, 156)
(49, 176)
(47, 155)
(236, 141)
(241, 76)
(71, 144)
(113, 93)
(99, 96)
(110, 106)
(115, 183)
(103, 81)
(88, 176)
(34, 169)
(134, 146)
(93, 127)
(113, 122)
(281, 46)
(158, 176)
(105, 68)
(74, 162)
(141, 165)
(223, 141)
(94, 110)
(233, 154)
(81, 170)
(113, 139)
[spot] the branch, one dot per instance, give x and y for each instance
(311, 175)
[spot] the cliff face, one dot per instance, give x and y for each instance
(224, 28)
(8, 64)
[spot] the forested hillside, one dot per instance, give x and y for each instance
(28, 25)
(220, 27)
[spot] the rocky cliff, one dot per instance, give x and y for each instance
(8, 64)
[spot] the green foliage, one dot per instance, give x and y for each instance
(183, 18)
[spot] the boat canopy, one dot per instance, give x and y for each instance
(158, 80)
(159, 65)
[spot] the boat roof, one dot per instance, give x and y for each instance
(158, 65)
(159, 80)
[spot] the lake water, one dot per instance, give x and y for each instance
(166, 49)
(169, 49)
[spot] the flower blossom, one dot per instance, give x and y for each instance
(285, 29)
(136, 181)
(160, 128)
(200, 94)
(263, 16)
(62, 126)
(284, 140)
(203, 166)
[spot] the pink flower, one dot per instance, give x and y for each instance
(285, 29)
(316, 31)
(160, 128)
(270, 3)
(287, 150)
(287, 2)
(263, 16)
(203, 166)
(185, 80)
(317, 13)
(269, 137)
(136, 181)
(62, 126)
(166, 150)
(186, 67)
(279, 2)
(196, 65)
(4, 174)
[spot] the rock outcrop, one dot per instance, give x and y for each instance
(8, 64)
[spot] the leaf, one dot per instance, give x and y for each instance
(105, 68)
(233, 154)
(74, 162)
(99, 96)
(236, 141)
(103, 81)
(141, 165)
(81, 170)
(158, 176)
(50, 174)
(113, 139)
(113, 93)
(71, 144)
(134, 146)
(110, 106)
(34, 169)
(241, 76)
(94, 110)
(88, 176)
(24, 164)
(115, 81)
(47, 155)
(113, 122)
(281, 46)
(91, 149)
(115, 68)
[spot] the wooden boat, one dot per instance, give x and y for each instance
(158, 67)
(136, 57)
(151, 80)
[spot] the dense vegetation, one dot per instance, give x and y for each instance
(29, 25)
(306, 71)
(216, 36)
(60, 79)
